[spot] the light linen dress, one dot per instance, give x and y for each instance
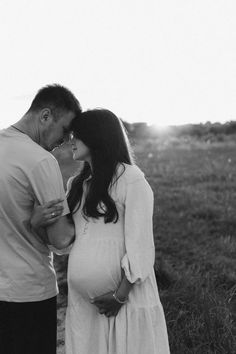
(101, 252)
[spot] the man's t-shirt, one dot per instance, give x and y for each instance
(28, 174)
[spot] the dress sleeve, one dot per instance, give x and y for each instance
(140, 250)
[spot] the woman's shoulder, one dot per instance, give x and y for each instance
(132, 181)
(129, 173)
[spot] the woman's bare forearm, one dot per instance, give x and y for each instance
(124, 288)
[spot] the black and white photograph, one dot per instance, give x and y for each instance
(118, 177)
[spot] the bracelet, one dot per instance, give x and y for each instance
(118, 300)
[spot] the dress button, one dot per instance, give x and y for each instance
(85, 228)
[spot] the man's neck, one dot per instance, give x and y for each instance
(13, 126)
(27, 125)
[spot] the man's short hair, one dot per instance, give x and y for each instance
(56, 97)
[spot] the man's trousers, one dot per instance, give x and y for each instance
(28, 327)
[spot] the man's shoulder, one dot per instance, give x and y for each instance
(42, 159)
(35, 154)
(38, 153)
(23, 149)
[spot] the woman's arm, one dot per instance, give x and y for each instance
(122, 292)
(43, 216)
(110, 303)
(46, 214)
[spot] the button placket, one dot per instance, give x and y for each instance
(85, 229)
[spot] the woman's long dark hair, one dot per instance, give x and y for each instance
(104, 134)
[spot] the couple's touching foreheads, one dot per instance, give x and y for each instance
(103, 221)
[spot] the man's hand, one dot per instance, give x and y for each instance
(107, 304)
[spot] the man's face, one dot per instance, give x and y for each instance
(54, 132)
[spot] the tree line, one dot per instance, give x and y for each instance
(143, 130)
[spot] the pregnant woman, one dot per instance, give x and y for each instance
(113, 300)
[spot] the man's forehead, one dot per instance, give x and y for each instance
(67, 119)
(70, 116)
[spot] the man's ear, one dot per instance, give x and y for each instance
(45, 115)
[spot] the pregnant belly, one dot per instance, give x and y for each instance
(94, 269)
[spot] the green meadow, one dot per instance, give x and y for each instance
(194, 184)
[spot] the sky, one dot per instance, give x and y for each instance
(167, 62)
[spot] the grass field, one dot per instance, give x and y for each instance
(195, 236)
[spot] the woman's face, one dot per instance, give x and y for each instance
(80, 151)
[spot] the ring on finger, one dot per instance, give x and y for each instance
(53, 214)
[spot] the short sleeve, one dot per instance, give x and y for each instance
(47, 182)
(139, 259)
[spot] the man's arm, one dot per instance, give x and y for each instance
(47, 184)
(62, 233)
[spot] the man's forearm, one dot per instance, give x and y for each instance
(62, 234)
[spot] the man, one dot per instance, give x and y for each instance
(29, 174)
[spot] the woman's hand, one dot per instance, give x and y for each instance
(107, 304)
(46, 214)
(110, 303)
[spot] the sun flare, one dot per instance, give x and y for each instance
(159, 128)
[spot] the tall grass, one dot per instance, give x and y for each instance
(195, 236)
(199, 316)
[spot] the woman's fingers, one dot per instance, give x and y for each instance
(50, 212)
(55, 211)
(53, 203)
(54, 207)
(52, 220)
(111, 313)
(108, 314)
(102, 311)
(52, 215)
